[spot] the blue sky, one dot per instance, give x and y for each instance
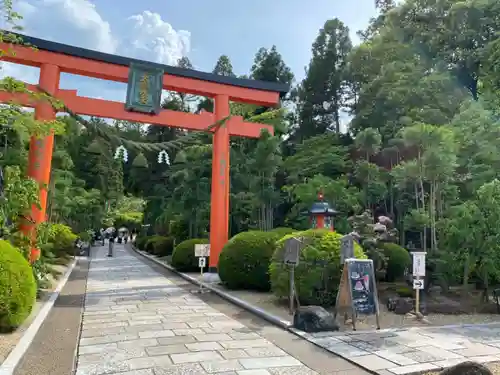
(163, 31)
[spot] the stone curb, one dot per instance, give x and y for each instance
(12, 361)
(284, 324)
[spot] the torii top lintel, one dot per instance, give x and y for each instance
(85, 62)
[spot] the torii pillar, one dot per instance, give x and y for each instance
(40, 152)
(219, 219)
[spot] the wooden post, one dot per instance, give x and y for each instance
(417, 298)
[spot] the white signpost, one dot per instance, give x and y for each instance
(418, 284)
(418, 272)
(202, 251)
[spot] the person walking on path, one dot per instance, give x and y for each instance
(111, 245)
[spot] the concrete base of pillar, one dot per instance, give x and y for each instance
(211, 278)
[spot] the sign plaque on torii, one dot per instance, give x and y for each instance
(144, 89)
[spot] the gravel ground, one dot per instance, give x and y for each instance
(388, 319)
(9, 341)
(267, 302)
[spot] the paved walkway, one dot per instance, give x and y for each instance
(409, 350)
(138, 322)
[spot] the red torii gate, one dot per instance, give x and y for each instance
(55, 58)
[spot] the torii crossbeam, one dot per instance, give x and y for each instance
(55, 58)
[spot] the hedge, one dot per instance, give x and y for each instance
(183, 258)
(317, 275)
(163, 246)
(283, 231)
(150, 243)
(140, 242)
(17, 288)
(397, 260)
(244, 260)
(62, 238)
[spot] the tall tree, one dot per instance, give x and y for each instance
(223, 67)
(269, 66)
(322, 92)
(453, 32)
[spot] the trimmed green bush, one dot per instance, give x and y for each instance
(282, 231)
(244, 260)
(318, 274)
(398, 259)
(163, 246)
(150, 243)
(140, 242)
(17, 287)
(183, 258)
(63, 239)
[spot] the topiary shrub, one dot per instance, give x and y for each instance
(17, 287)
(282, 231)
(140, 242)
(318, 274)
(183, 258)
(63, 239)
(244, 260)
(150, 243)
(163, 246)
(397, 260)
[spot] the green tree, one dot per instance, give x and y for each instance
(269, 66)
(322, 93)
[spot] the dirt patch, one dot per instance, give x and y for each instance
(10, 340)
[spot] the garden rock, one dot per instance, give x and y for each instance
(403, 306)
(392, 303)
(314, 319)
(467, 368)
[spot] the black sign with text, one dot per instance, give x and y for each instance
(361, 278)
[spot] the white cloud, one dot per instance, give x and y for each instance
(74, 22)
(144, 36)
(151, 37)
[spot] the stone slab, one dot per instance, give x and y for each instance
(138, 322)
(373, 362)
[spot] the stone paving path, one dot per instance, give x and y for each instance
(409, 350)
(138, 322)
